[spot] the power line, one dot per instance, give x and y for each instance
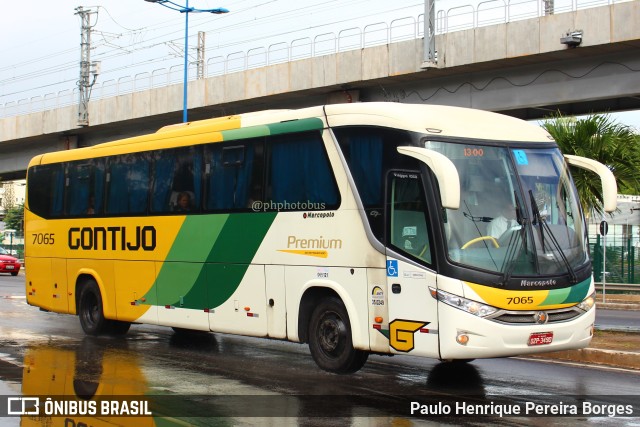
(109, 49)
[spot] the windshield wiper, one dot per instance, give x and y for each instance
(517, 243)
(476, 219)
(542, 227)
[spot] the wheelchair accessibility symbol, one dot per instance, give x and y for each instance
(392, 268)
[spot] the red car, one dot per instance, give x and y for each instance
(8, 264)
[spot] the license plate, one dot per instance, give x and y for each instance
(10, 267)
(540, 338)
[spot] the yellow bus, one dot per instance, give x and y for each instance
(356, 228)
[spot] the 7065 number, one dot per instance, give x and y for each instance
(520, 300)
(43, 238)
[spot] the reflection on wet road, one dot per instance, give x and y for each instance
(206, 379)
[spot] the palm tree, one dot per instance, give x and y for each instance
(600, 138)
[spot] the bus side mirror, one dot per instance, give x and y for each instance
(609, 186)
(444, 170)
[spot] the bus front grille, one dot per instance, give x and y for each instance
(529, 317)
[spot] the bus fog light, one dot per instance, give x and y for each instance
(462, 339)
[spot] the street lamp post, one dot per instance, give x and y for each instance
(186, 10)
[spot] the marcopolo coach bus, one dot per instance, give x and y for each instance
(356, 228)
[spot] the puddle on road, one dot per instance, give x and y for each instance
(80, 376)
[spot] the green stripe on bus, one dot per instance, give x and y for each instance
(241, 237)
(291, 126)
(244, 133)
(572, 294)
(221, 248)
(556, 296)
(233, 252)
(301, 125)
(579, 291)
(193, 243)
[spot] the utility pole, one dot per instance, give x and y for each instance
(86, 67)
(429, 59)
(200, 51)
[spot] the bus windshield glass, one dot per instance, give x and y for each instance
(519, 213)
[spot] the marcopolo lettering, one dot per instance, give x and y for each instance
(112, 238)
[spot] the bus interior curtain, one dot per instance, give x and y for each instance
(300, 172)
(162, 178)
(117, 200)
(366, 167)
(229, 184)
(98, 187)
(57, 201)
(138, 172)
(78, 191)
(197, 174)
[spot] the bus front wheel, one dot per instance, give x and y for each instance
(330, 339)
(90, 310)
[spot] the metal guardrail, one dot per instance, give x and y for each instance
(625, 287)
(489, 12)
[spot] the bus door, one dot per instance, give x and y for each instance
(413, 317)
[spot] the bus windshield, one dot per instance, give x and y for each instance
(519, 213)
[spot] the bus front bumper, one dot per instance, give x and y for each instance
(486, 338)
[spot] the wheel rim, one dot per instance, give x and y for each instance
(332, 334)
(90, 312)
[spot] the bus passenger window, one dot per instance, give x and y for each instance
(84, 187)
(300, 176)
(229, 174)
(176, 172)
(46, 190)
(128, 184)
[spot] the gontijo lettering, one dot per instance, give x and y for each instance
(113, 238)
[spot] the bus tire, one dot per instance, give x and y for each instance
(90, 311)
(330, 340)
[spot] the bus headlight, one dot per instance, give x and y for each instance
(588, 302)
(473, 307)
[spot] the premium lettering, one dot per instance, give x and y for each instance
(319, 243)
(112, 238)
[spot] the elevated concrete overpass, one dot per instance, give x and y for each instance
(517, 68)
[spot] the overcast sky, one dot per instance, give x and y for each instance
(40, 47)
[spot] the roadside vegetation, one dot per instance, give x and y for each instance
(600, 137)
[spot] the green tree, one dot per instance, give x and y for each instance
(13, 218)
(598, 137)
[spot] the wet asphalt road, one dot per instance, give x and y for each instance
(48, 354)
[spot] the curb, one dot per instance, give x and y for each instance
(599, 356)
(619, 359)
(618, 306)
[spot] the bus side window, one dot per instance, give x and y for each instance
(46, 190)
(300, 176)
(175, 172)
(128, 187)
(84, 187)
(233, 174)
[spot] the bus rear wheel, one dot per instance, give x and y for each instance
(90, 312)
(330, 339)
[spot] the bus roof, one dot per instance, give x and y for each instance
(435, 119)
